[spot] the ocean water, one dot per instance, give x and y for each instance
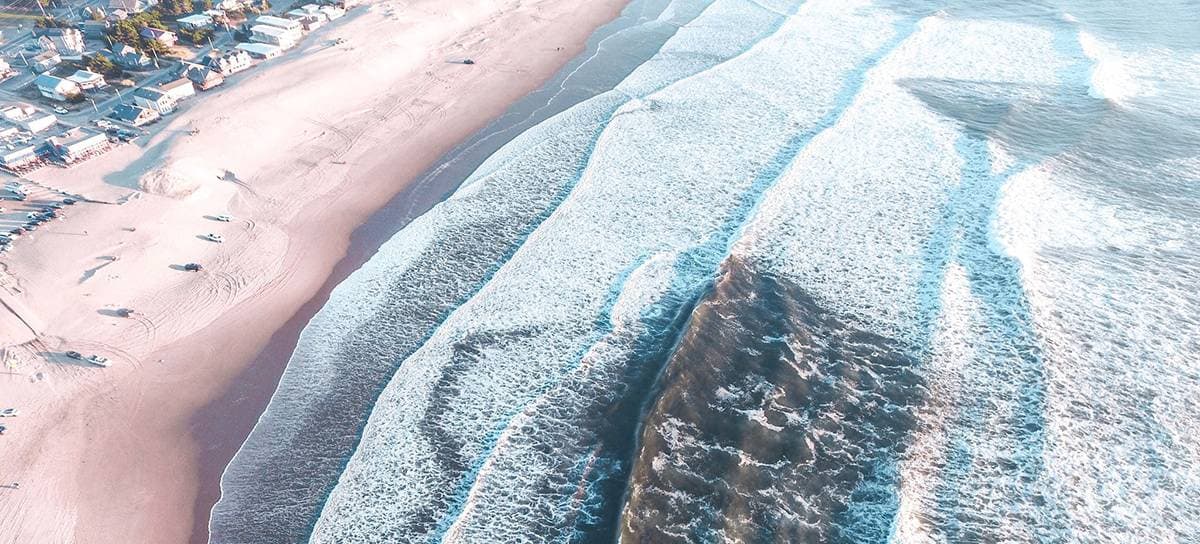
(823, 271)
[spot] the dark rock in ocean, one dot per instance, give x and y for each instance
(776, 421)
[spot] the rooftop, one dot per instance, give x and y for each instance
(270, 30)
(175, 84)
(149, 93)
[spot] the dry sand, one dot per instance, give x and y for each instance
(299, 151)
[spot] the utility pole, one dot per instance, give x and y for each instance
(94, 108)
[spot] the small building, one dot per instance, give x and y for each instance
(94, 29)
(179, 89)
(134, 115)
(204, 77)
(195, 22)
(164, 37)
(260, 50)
(128, 58)
(87, 80)
(155, 99)
(6, 71)
(277, 22)
(308, 21)
(39, 121)
(19, 157)
(231, 5)
(333, 12)
(68, 42)
(131, 6)
(274, 35)
(56, 88)
(19, 111)
(46, 61)
(229, 62)
(76, 144)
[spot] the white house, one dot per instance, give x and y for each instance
(195, 22)
(37, 123)
(56, 88)
(332, 12)
(87, 79)
(20, 157)
(229, 62)
(309, 21)
(76, 144)
(260, 50)
(19, 111)
(154, 99)
(179, 89)
(274, 35)
(46, 61)
(278, 22)
(67, 42)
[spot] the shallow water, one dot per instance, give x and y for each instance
(822, 271)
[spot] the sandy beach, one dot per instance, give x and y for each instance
(299, 151)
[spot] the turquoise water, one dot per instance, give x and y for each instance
(822, 271)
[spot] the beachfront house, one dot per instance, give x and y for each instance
(308, 21)
(45, 61)
(179, 89)
(131, 6)
(195, 22)
(39, 121)
(332, 12)
(155, 99)
(76, 144)
(18, 158)
(87, 80)
(260, 50)
(163, 37)
(128, 58)
(68, 42)
(229, 62)
(204, 77)
(278, 22)
(56, 88)
(134, 115)
(273, 35)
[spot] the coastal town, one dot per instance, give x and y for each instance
(80, 78)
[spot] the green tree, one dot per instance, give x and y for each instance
(102, 65)
(125, 32)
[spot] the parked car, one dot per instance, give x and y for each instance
(9, 412)
(223, 218)
(69, 201)
(75, 355)
(61, 110)
(214, 238)
(193, 267)
(97, 360)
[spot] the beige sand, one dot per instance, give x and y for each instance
(299, 151)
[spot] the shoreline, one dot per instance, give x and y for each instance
(145, 443)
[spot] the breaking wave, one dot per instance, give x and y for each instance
(824, 271)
